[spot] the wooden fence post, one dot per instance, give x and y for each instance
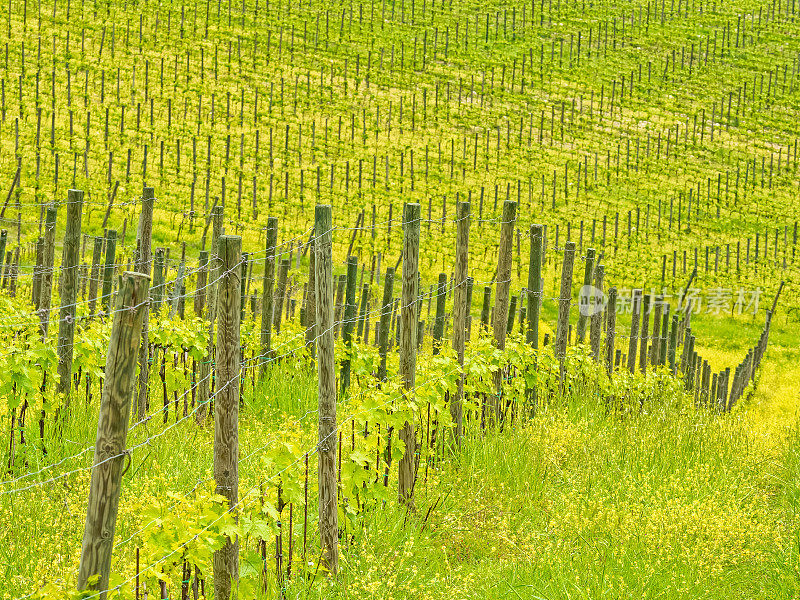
(384, 328)
(268, 297)
(634, 337)
(350, 319)
(157, 291)
(69, 291)
(564, 302)
(48, 265)
(109, 269)
(503, 287)
(226, 404)
(37, 274)
(611, 323)
(143, 261)
(326, 369)
(673, 343)
(214, 274)
(407, 469)
(202, 282)
(3, 242)
(112, 431)
(644, 333)
(596, 321)
(534, 301)
(470, 284)
(688, 372)
(658, 304)
(460, 310)
(486, 308)
(587, 281)
(280, 293)
(97, 254)
(438, 324)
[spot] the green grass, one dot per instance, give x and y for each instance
(585, 503)
(585, 500)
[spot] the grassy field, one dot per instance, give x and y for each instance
(584, 501)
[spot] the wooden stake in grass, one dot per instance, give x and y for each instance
(673, 344)
(326, 369)
(595, 323)
(587, 282)
(69, 291)
(97, 253)
(611, 323)
(500, 324)
(112, 431)
(48, 264)
(226, 405)
(108, 272)
(644, 333)
(311, 304)
(268, 297)
(384, 327)
(349, 319)
(438, 325)
(460, 310)
(143, 266)
(37, 273)
(202, 282)
(564, 302)
(407, 468)
(633, 340)
(277, 311)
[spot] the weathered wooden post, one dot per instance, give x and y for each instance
(438, 324)
(37, 274)
(214, 274)
(112, 431)
(201, 283)
(268, 298)
(470, 283)
(326, 369)
(407, 468)
(3, 242)
(280, 293)
(97, 254)
(596, 320)
(534, 299)
(658, 304)
(157, 291)
(587, 282)
(311, 303)
(69, 291)
(611, 324)
(534, 286)
(48, 264)
(108, 271)
(644, 333)
(460, 310)
(226, 404)
(349, 319)
(564, 302)
(143, 264)
(503, 287)
(633, 341)
(486, 307)
(386, 316)
(688, 371)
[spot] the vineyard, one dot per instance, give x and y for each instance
(399, 299)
